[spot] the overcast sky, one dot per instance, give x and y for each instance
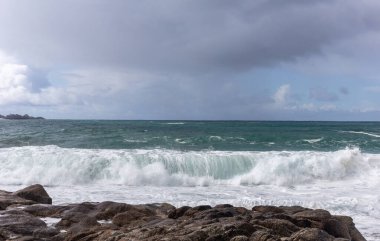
(198, 59)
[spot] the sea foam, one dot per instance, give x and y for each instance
(52, 165)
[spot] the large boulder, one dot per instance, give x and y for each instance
(35, 193)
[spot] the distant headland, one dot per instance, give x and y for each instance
(20, 117)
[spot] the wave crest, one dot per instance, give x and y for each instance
(52, 165)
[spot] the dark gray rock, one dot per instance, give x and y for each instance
(107, 210)
(44, 210)
(46, 232)
(317, 215)
(35, 193)
(267, 209)
(179, 212)
(239, 238)
(337, 228)
(19, 223)
(354, 233)
(263, 236)
(311, 234)
(7, 199)
(282, 228)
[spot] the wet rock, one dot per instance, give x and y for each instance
(156, 209)
(84, 224)
(317, 215)
(43, 210)
(337, 228)
(215, 214)
(282, 228)
(158, 222)
(35, 193)
(354, 233)
(179, 212)
(197, 236)
(112, 221)
(192, 211)
(19, 223)
(224, 206)
(239, 238)
(129, 217)
(85, 208)
(217, 237)
(46, 232)
(267, 209)
(311, 234)
(293, 209)
(107, 210)
(248, 228)
(76, 222)
(7, 199)
(160, 209)
(263, 236)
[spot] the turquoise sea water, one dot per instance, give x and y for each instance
(193, 135)
(329, 165)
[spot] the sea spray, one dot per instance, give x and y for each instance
(53, 165)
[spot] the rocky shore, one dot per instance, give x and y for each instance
(20, 117)
(28, 214)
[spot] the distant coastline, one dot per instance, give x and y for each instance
(20, 117)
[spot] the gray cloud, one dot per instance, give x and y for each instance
(184, 36)
(322, 94)
(344, 90)
(179, 59)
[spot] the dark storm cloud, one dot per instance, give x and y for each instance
(181, 36)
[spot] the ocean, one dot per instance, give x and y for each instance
(329, 165)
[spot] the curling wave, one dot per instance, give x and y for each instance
(52, 165)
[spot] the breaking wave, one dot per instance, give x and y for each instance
(52, 165)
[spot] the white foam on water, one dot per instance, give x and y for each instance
(216, 138)
(50, 222)
(180, 141)
(134, 141)
(51, 165)
(175, 123)
(363, 133)
(344, 182)
(312, 141)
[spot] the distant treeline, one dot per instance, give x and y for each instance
(19, 117)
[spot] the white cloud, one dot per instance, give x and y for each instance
(16, 86)
(281, 96)
(285, 101)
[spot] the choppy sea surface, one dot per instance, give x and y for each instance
(328, 165)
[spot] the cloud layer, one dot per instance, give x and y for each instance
(189, 59)
(188, 36)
